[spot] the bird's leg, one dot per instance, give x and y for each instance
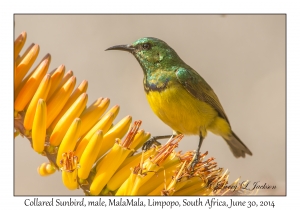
(195, 161)
(153, 140)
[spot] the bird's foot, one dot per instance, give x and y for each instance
(195, 161)
(153, 140)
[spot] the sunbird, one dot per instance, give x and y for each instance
(179, 96)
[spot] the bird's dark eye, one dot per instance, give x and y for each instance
(146, 46)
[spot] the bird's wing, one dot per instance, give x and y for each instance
(199, 88)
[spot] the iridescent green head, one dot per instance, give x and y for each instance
(151, 53)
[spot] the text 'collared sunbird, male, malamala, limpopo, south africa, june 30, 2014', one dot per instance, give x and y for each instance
(179, 96)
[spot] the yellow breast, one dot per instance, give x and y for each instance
(180, 110)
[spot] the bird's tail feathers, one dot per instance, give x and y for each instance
(237, 147)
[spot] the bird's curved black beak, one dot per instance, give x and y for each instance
(128, 48)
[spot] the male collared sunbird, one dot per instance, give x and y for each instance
(179, 96)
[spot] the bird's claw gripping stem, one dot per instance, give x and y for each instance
(153, 140)
(195, 161)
